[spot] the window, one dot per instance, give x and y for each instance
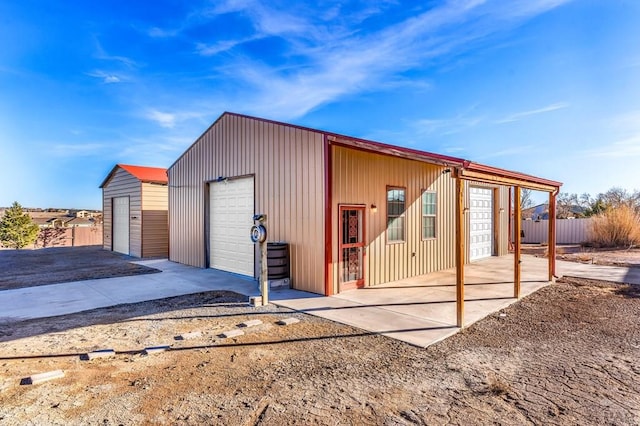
(428, 215)
(395, 214)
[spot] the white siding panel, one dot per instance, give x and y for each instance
(231, 218)
(480, 222)
(121, 225)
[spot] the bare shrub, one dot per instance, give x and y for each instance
(497, 386)
(616, 227)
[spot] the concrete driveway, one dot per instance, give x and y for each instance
(419, 310)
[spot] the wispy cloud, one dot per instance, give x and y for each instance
(164, 119)
(626, 128)
(170, 120)
(517, 150)
(322, 55)
(524, 114)
(220, 46)
(103, 55)
(107, 78)
(333, 70)
(445, 126)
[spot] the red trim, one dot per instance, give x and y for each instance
(328, 213)
(476, 167)
(395, 151)
(142, 173)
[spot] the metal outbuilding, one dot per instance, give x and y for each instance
(135, 211)
(355, 213)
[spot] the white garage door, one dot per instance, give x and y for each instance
(120, 222)
(481, 222)
(231, 218)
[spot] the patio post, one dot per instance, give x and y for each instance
(517, 224)
(459, 253)
(552, 235)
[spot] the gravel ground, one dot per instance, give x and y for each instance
(568, 354)
(28, 268)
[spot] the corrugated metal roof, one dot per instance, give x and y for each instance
(142, 173)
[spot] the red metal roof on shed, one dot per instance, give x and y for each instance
(147, 174)
(142, 173)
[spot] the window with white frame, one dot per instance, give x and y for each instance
(395, 214)
(428, 215)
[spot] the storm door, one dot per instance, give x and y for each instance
(351, 248)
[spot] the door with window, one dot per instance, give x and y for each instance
(352, 245)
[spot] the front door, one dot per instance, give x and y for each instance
(351, 247)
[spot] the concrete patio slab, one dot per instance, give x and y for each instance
(422, 310)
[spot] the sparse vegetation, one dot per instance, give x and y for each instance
(616, 227)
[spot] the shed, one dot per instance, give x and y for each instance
(135, 211)
(356, 213)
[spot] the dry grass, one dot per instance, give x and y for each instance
(616, 227)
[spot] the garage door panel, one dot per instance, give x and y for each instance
(481, 223)
(231, 218)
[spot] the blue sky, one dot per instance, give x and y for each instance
(545, 87)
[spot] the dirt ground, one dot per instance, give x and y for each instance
(568, 354)
(627, 257)
(28, 268)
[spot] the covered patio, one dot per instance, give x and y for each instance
(424, 310)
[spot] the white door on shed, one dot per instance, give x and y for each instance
(120, 220)
(481, 222)
(231, 217)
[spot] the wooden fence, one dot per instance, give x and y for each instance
(69, 237)
(568, 231)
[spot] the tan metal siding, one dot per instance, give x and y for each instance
(362, 178)
(155, 222)
(123, 184)
(287, 163)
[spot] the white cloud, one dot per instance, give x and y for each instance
(171, 120)
(325, 56)
(103, 55)
(626, 143)
(345, 63)
(517, 150)
(106, 78)
(520, 115)
(445, 126)
(164, 119)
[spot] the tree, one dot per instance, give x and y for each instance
(525, 198)
(17, 230)
(565, 204)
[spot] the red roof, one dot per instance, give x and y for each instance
(142, 173)
(147, 174)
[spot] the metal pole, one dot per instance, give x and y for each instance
(264, 279)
